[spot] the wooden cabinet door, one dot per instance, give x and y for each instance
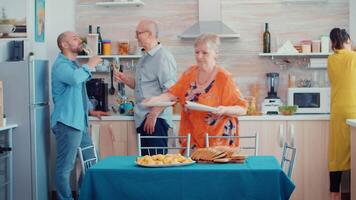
(271, 136)
(113, 138)
(310, 172)
(131, 139)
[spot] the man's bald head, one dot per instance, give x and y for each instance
(150, 26)
(63, 37)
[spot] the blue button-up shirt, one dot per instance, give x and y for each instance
(156, 71)
(71, 103)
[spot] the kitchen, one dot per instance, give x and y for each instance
(307, 20)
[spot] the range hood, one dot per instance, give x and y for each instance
(210, 21)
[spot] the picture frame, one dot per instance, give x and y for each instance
(39, 21)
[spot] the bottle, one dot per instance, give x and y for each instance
(106, 47)
(100, 41)
(266, 40)
(90, 29)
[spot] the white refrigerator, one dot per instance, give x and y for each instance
(26, 103)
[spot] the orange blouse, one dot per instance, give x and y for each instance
(220, 91)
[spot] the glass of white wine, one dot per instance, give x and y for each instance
(87, 50)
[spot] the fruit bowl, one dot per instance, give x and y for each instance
(287, 110)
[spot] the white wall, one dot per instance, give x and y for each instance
(353, 20)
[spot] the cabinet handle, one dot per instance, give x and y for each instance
(281, 136)
(292, 134)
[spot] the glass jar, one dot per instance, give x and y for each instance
(306, 46)
(106, 47)
(123, 47)
(316, 46)
(251, 105)
(325, 44)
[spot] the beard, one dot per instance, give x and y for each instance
(76, 48)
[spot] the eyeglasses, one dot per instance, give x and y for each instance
(140, 32)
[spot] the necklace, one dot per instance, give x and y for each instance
(204, 79)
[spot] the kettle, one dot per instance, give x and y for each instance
(126, 107)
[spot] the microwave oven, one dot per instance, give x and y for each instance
(310, 100)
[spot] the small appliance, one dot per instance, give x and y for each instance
(97, 91)
(272, 101)
(16, 49)
(314, 100)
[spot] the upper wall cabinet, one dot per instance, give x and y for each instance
(121, 3)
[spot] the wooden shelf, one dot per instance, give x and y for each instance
(121, 3)
(295, 54)
(13, 39)
(116, 56)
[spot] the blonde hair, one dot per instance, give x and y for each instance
(211, 41)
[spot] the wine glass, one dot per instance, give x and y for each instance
(87, 50)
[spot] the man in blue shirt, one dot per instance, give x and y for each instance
(156, 71)
(69, 120)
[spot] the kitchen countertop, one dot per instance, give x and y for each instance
(241, 118)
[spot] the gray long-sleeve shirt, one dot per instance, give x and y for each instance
(156, 71)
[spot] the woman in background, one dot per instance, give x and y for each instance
(209, 84)
(342, 76)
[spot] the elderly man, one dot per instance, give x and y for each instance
(69, 120)
(156, 71)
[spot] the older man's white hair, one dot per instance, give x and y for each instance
(151, 26)
(211, 41)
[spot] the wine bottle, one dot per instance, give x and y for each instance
(266, 40)
(100, 41)
(90, 29)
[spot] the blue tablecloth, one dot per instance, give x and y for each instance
(118, 177)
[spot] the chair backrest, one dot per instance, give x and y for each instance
(156, 149)
(253, 146)
(288, 157)
(88, 157)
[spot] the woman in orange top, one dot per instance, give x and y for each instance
(209, 84)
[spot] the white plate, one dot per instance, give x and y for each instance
(197, 106)
(158, 103)
(168, 165)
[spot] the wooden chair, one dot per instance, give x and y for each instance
(253, 138)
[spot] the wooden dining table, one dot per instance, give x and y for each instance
(119, 177)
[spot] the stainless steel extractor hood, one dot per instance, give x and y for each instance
(210, 21)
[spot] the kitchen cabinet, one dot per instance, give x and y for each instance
(131, 139)
(6, 174)
(310, 138)
(119, 137)
(113, 138)
(271, 136)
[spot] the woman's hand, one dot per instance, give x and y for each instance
(232, 111)
(221, 110)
